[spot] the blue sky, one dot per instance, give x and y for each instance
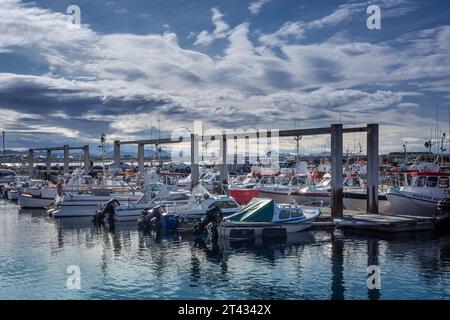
(231, 64)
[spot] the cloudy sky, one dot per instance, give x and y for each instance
(231, 64)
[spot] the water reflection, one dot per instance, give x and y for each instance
(337, 267)
(372, 259)
(121, 261)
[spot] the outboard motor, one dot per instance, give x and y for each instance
(444, 205)
(107, 210)
(212, 220)
(151, 218)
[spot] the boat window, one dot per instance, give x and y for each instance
(285, 181)
(421, 181)
(432, 182)
(351, 182)
(294, 181)
(443, 182)
(224, 204)
(179, 196)
(296, 213)
(408, 179)
(285, 214)
(301, 180)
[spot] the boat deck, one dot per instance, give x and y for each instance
(357, 220)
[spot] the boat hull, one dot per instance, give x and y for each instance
(358, 202)
(85, 206)
(74, 211)
(278, 197)
(13, 195)
(406, 204)
(27, 201)
(130, 213)
(226, 229)
(299, 197)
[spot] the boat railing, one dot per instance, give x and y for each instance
(316, 204)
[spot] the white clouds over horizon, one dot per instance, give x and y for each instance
(128, 79)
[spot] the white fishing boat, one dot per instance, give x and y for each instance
(132, 211)
(283, 188)
(322, 190)
(37, 197)
(263, 218)
(199, 202)
(421, 196)
(20, 185)
(356, 200)
(314, 192)
(85, 205)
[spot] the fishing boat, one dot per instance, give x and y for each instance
(132, 211)
(18, 186)
(37, 197)
(421, 196)
(322, 190)
(263, 218)
(199, 203)
(356, 200)
(85, 205)
(314, 192)
(283, 188)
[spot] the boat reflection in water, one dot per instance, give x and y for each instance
(121, 262)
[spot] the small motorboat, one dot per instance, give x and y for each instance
(262, 217)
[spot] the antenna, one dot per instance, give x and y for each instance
(297, 147)
(4, 150)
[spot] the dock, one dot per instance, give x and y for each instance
(356, 220)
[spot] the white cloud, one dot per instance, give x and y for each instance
(336, 17)
(281, 36)
(345, 12)
(255, 7)
(246, 86)
(221, 29)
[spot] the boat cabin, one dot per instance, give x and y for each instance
(440, 180)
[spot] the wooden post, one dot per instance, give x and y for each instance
(117, 153)
(372, 168)
(224, 167)
(141, 159)
(31, 163)
(86, 159)
(337, 206)
(48, 163)
(66, 159)
(195, 174)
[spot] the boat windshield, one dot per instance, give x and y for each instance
(298, 181)
(325, 182)
(285, 181)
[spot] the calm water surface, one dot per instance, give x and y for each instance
(124, 263)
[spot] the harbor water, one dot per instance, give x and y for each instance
(120, 262)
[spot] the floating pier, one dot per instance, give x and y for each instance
(359, 221)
